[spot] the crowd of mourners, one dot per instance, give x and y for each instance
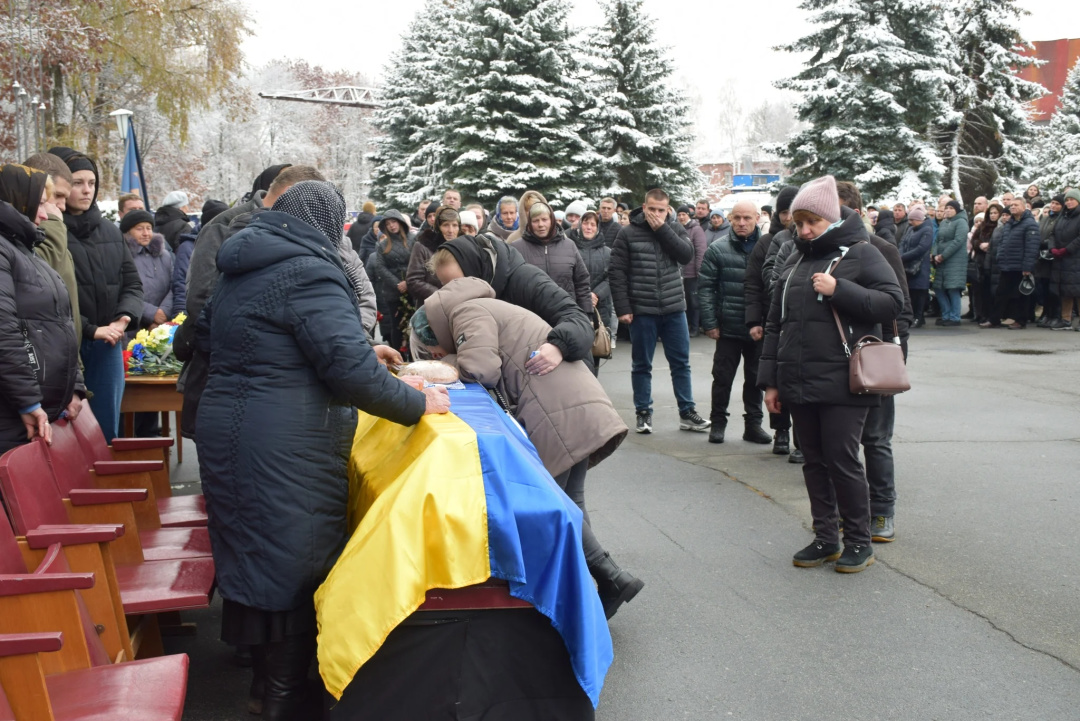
(283, 308)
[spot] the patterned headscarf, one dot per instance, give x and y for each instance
(317, 203)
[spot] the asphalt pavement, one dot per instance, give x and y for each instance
(972, 613)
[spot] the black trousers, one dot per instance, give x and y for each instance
(780, 421)
(877, 448)
(1008, 302)
(693, 312)
(726, 359)
(919, 298)
(833, 472)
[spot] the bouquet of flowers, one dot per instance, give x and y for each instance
(150, 352)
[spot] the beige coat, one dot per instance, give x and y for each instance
(566, 413)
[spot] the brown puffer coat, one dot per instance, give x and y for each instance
(566, 413)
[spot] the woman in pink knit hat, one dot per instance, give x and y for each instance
(804, 366)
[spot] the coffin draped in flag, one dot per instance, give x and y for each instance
(449, 503)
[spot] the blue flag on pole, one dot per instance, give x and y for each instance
(132, 179)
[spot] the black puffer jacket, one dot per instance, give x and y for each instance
(756, 288)
(779, 250)
(803, 355)
(34, 309)
(172, 222)
(1065, 271)
(597, 257)
(885, 227)
(1019, 247)
(359, 228)
(646, 267)
(558, 256)
(722, 285)
(609, 231)
(109, 285)
(490, 258)
(421, 281)
(388, 265)
(276, 424)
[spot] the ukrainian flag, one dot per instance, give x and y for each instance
(448, 503)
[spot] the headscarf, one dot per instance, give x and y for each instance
(470, 258)
(22, 187)
(318, 204)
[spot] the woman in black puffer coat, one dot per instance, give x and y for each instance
(288, 363)
(39, 353)
(110, 292)
(597, 256)
(804, 367)
(544, 245)
(388, 266)
(1065, 249)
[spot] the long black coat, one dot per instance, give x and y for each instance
(1020, 240)
(1065, 271)
(646, 267)
(597, 257)
(109, 285)
(34, 309)
(803, 355)
(288, 361)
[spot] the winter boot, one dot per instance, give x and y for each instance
(286, 697)
(614, 585)
(781, 443)
(716, 433)
(754, 433)
(257, 655)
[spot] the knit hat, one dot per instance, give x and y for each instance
(917, 214)
(685, 209)
(467, 217)
(559, 214)
(263, 179)
(130, 220)
(716, 212)
(820, 197)
(433, 207)
(955, 205)
(177, 197)
(211, 209)
(1074, 194)
(785, 198)
(368, 207)
(1059, 199)
(578, 207)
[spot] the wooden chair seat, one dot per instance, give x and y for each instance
(149, 690)
(182, 511)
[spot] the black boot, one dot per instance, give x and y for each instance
(781, 443)
(716, 433)
(754, 433)
(614, 585)
(286, 697)
(257, 654)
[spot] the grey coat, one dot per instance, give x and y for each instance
(155, 265)
(560, 259)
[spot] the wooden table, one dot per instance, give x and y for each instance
(153, 394)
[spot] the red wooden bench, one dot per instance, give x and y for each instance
(172, 511)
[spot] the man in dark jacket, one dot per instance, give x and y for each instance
(881, 420)
(360, 227)
(110, 292)
(647, 290)
(702, 211)
(900, 220)
(691, 270)
(885, 227)
(723, 316)
(1016, 257)
(609, 223)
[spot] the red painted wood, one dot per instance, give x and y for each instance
(72, 535)
(141, 444)
(18, 644)
(97, 496)
(157, 586)
(149, 690)
(112, 468)
(493, 594)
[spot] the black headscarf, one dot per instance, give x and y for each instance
(474, 262)
(317, 203)
(22, 187)
(265, 178)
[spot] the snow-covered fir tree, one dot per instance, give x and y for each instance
(853, 97)
(511, 122)
(987, 142)
(1058, 161)
(637, 123)
(411, 156)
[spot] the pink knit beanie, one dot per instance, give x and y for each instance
(918, 214)
(819, 196)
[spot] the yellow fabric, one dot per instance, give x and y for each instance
(418, 517)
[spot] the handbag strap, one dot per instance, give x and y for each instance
(836, 316)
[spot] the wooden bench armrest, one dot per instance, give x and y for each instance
(20, 644)
(112, 468)
(140, 444)
(97, 496)
(45, 536)
(18, 584)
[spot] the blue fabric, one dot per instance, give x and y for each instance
(949, 300)
(103, 373)
(534, 537)
(671, 328)
(30, 409)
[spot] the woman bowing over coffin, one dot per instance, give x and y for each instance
(289, 364)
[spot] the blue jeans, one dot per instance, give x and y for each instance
(949, 300)
(103, 372)
(672, 330)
